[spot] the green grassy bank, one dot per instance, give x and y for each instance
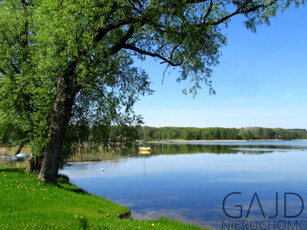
(26, 203)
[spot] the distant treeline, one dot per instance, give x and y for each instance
(251, 133)
(128, 134)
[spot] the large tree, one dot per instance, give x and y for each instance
(59, 58)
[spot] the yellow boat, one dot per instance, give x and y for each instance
(144, 150)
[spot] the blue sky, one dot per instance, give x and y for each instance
(261, 81)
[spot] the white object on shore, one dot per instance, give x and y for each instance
(22, 155)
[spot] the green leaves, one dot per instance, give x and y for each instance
(92, 44)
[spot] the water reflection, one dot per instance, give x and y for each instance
(166, 149)
(245, 147)
(189, 182)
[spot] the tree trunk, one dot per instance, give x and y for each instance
(60, 117)
(19, 149)
(34, 164)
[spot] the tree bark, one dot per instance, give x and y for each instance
(19, 149)
(34, 164)
(61, 113)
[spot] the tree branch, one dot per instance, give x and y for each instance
(118, 46)
(208, 11)
(101, 32)
(174, 4)
(2, 71)
(195, 1)
(134, 7)
(140, 51)
(15, 68)
(98, 89)
(172, 52)
(242, 11)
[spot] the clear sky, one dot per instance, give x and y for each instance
(261, 81)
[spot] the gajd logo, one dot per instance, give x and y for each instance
(255, 202)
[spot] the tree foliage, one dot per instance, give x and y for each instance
(72, 61)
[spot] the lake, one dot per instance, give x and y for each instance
(230, 185)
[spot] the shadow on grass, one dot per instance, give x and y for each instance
(75, 190)
(16, 170)
(63, 183)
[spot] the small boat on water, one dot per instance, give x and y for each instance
(144, 150)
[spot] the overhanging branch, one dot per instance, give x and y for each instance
(242, 11)
(101, 32)
(144, 52)
(118, 46)
(208, 11)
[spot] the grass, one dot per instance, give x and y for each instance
(26, 203)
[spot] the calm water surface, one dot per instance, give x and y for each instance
(190, 182)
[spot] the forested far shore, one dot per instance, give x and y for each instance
(218, 133)
(106, 135)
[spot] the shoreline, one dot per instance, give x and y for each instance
(214, 141)
(60, 201)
